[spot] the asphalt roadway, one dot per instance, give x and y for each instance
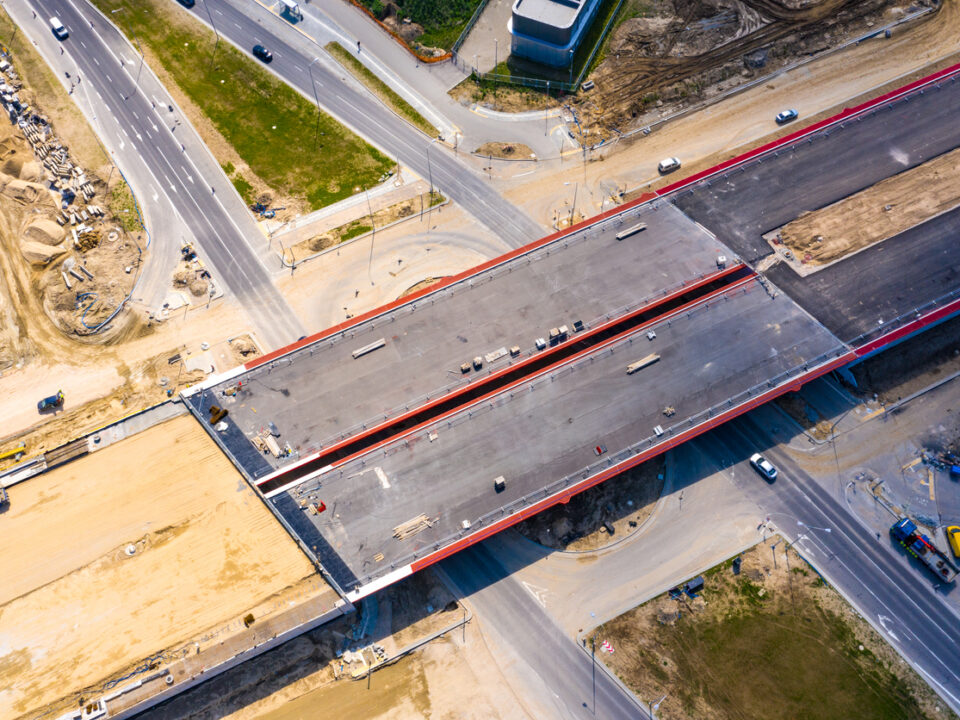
(898, 598)
(886, 280)
(221, 241)
(579, 688)
(360, 110)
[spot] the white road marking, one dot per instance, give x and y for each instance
(155, 128)
(122, 145)
(156, 195)
(186, 173)
(96, 61)
(382, 477)
(81, 42)
(883, 622)
(539, 594)
(135, 115)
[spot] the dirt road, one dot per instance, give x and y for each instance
(723, 130)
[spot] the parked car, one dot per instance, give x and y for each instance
(763, 466)
(668, 165)
(786, 116)
(260, 52)
(188, 3)
(953, 535)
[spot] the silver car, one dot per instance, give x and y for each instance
(763, 466)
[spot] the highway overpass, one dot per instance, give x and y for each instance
(400, 433)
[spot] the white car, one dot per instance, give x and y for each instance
(763, 466)
(668, 165)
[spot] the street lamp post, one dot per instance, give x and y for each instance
(373, 237)
(217, 34)
(546, 110)
(136, 83)
(313, 85)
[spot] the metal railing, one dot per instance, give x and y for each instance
(597, 467)
(470, 23)
(570, 86)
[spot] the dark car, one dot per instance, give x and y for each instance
(259, 51)
(188, 3)
(786, 116)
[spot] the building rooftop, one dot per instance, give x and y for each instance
(558, 13)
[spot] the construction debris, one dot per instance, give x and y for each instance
(412, 527)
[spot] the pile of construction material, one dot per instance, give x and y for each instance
(63, 175)
(412, 527)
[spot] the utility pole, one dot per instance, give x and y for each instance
(217, 34)
(136, 83)
(373, 237)
(316, 132)
(546, 111)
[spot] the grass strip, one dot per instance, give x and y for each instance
(379, 88)
(285, 141)
(355, 228)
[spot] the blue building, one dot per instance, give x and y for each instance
(549, 31)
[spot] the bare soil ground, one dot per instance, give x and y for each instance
(505, 151)
(425, 283)
(623, 502)
(381, 218)
(771, 642)
(667, 55)
(912, 365)
(78, 607)
(879, 212)
(299, 679)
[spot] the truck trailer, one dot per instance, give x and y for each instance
(919, 545)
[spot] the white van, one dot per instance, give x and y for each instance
(668, 165)
(58, 29)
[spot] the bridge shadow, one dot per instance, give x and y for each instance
(396, 612)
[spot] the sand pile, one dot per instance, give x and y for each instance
(38, 253)
(25, 192)
(31, 171)
(44, 231)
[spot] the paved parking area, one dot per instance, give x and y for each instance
(542, 436)
(321, 393)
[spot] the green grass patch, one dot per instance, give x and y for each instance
(355, 231)
(124, 207)
(271, 126)
(244, 188)
(379, 88)
(442, 20)
(763, 644)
